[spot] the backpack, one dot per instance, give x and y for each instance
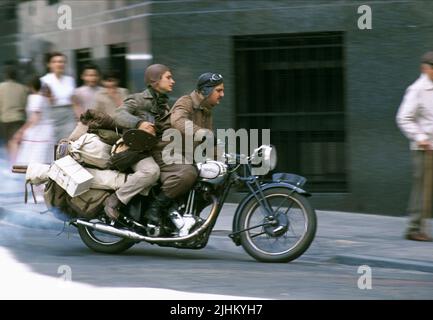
(88, 204)
(55, 196)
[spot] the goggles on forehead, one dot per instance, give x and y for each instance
(216, 77)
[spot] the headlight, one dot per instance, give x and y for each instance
(269, 157)
(273, 158)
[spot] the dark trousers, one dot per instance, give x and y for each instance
(177, 179)
(420, 203)
(8, 129)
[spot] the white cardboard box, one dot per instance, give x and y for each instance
(70, 175)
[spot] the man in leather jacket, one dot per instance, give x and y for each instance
(148, 111)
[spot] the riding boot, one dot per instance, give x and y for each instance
(112, 207)
(156, 208)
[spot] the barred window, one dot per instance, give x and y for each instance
(118, 62)
(294, 85)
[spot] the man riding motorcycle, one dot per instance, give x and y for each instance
(176, 178)
(147, 111)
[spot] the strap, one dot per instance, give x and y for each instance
(33, 193)
(26, 193)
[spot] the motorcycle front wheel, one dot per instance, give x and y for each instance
(285, 237)
(102, 242)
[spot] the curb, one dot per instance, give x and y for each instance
(372, 261)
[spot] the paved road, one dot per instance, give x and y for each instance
(220, 268)
(401, 269)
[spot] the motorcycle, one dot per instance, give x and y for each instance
(273, 223)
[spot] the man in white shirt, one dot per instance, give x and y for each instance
(415, 119)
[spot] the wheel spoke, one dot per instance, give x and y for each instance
(291, 228)
(281, 204)
(272, 244)
(257, 234)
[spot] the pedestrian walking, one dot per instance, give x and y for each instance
(62, 89)
(13, 96)
(36, 137)
(84, 96)
(111, 96)
(415, 119)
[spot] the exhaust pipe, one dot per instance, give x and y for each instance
(135, 236)
(110, 230)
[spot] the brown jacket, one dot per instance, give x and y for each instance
(191, 107)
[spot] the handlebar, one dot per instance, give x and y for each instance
(236, 157)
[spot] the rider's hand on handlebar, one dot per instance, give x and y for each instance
(148, 127)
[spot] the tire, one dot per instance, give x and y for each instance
(98, 245)
(252, 240)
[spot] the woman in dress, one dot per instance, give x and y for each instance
(35, 137)
(62, 89)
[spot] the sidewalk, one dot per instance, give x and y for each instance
(342, 237)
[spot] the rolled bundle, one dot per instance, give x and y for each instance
(19, 169)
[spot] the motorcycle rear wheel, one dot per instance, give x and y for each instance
(291, 239)
(99, 242)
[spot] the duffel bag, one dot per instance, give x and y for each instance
(89, 149)
(88, 204)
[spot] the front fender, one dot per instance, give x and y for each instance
(242, 204)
